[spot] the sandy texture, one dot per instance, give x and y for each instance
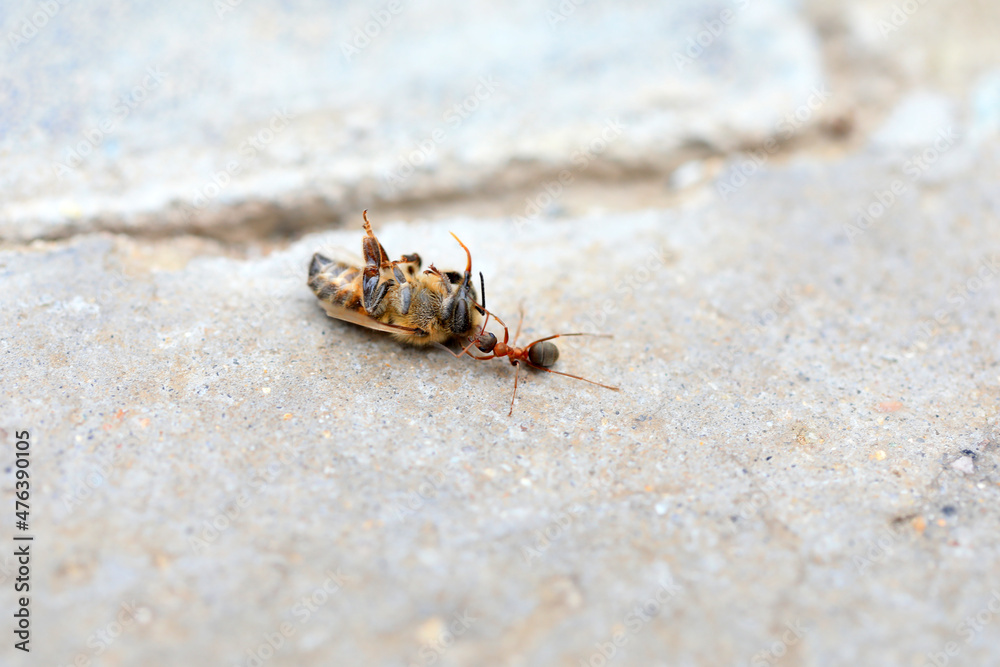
(801, 467)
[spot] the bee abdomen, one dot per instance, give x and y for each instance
(333, 281)
(335, 271)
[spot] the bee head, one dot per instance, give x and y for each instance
(458, 306)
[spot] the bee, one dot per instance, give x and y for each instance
(432, 307)
(394, 296)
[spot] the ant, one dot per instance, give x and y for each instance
(539, 354)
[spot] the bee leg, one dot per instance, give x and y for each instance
(461, 320)
(374, 283)
(410, 265)
(372, 291)
(404, 290)
(413, 259)
(370, 246)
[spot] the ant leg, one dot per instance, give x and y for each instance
(482, 329)
(473, 341)
(465, 351)
(596, 335)
(562, 335)
(506, 333)
(575, 377)
(517, 369)
(520, 321)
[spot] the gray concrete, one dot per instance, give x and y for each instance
(281, 109)
(801, 467)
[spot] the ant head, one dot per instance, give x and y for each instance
(543, 354)
(485, 342)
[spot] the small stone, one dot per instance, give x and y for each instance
(964, 465)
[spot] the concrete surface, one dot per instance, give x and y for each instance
(269, 117)
(801, 467)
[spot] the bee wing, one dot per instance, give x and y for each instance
(355, 317)
(342, 256)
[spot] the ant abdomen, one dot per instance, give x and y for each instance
(543, 354)
(539, 354)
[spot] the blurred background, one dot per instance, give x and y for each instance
(158, 119)
(785, 211)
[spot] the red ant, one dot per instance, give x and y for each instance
(539, 354)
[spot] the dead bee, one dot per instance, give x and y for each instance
(423, 308)
(393, 296)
